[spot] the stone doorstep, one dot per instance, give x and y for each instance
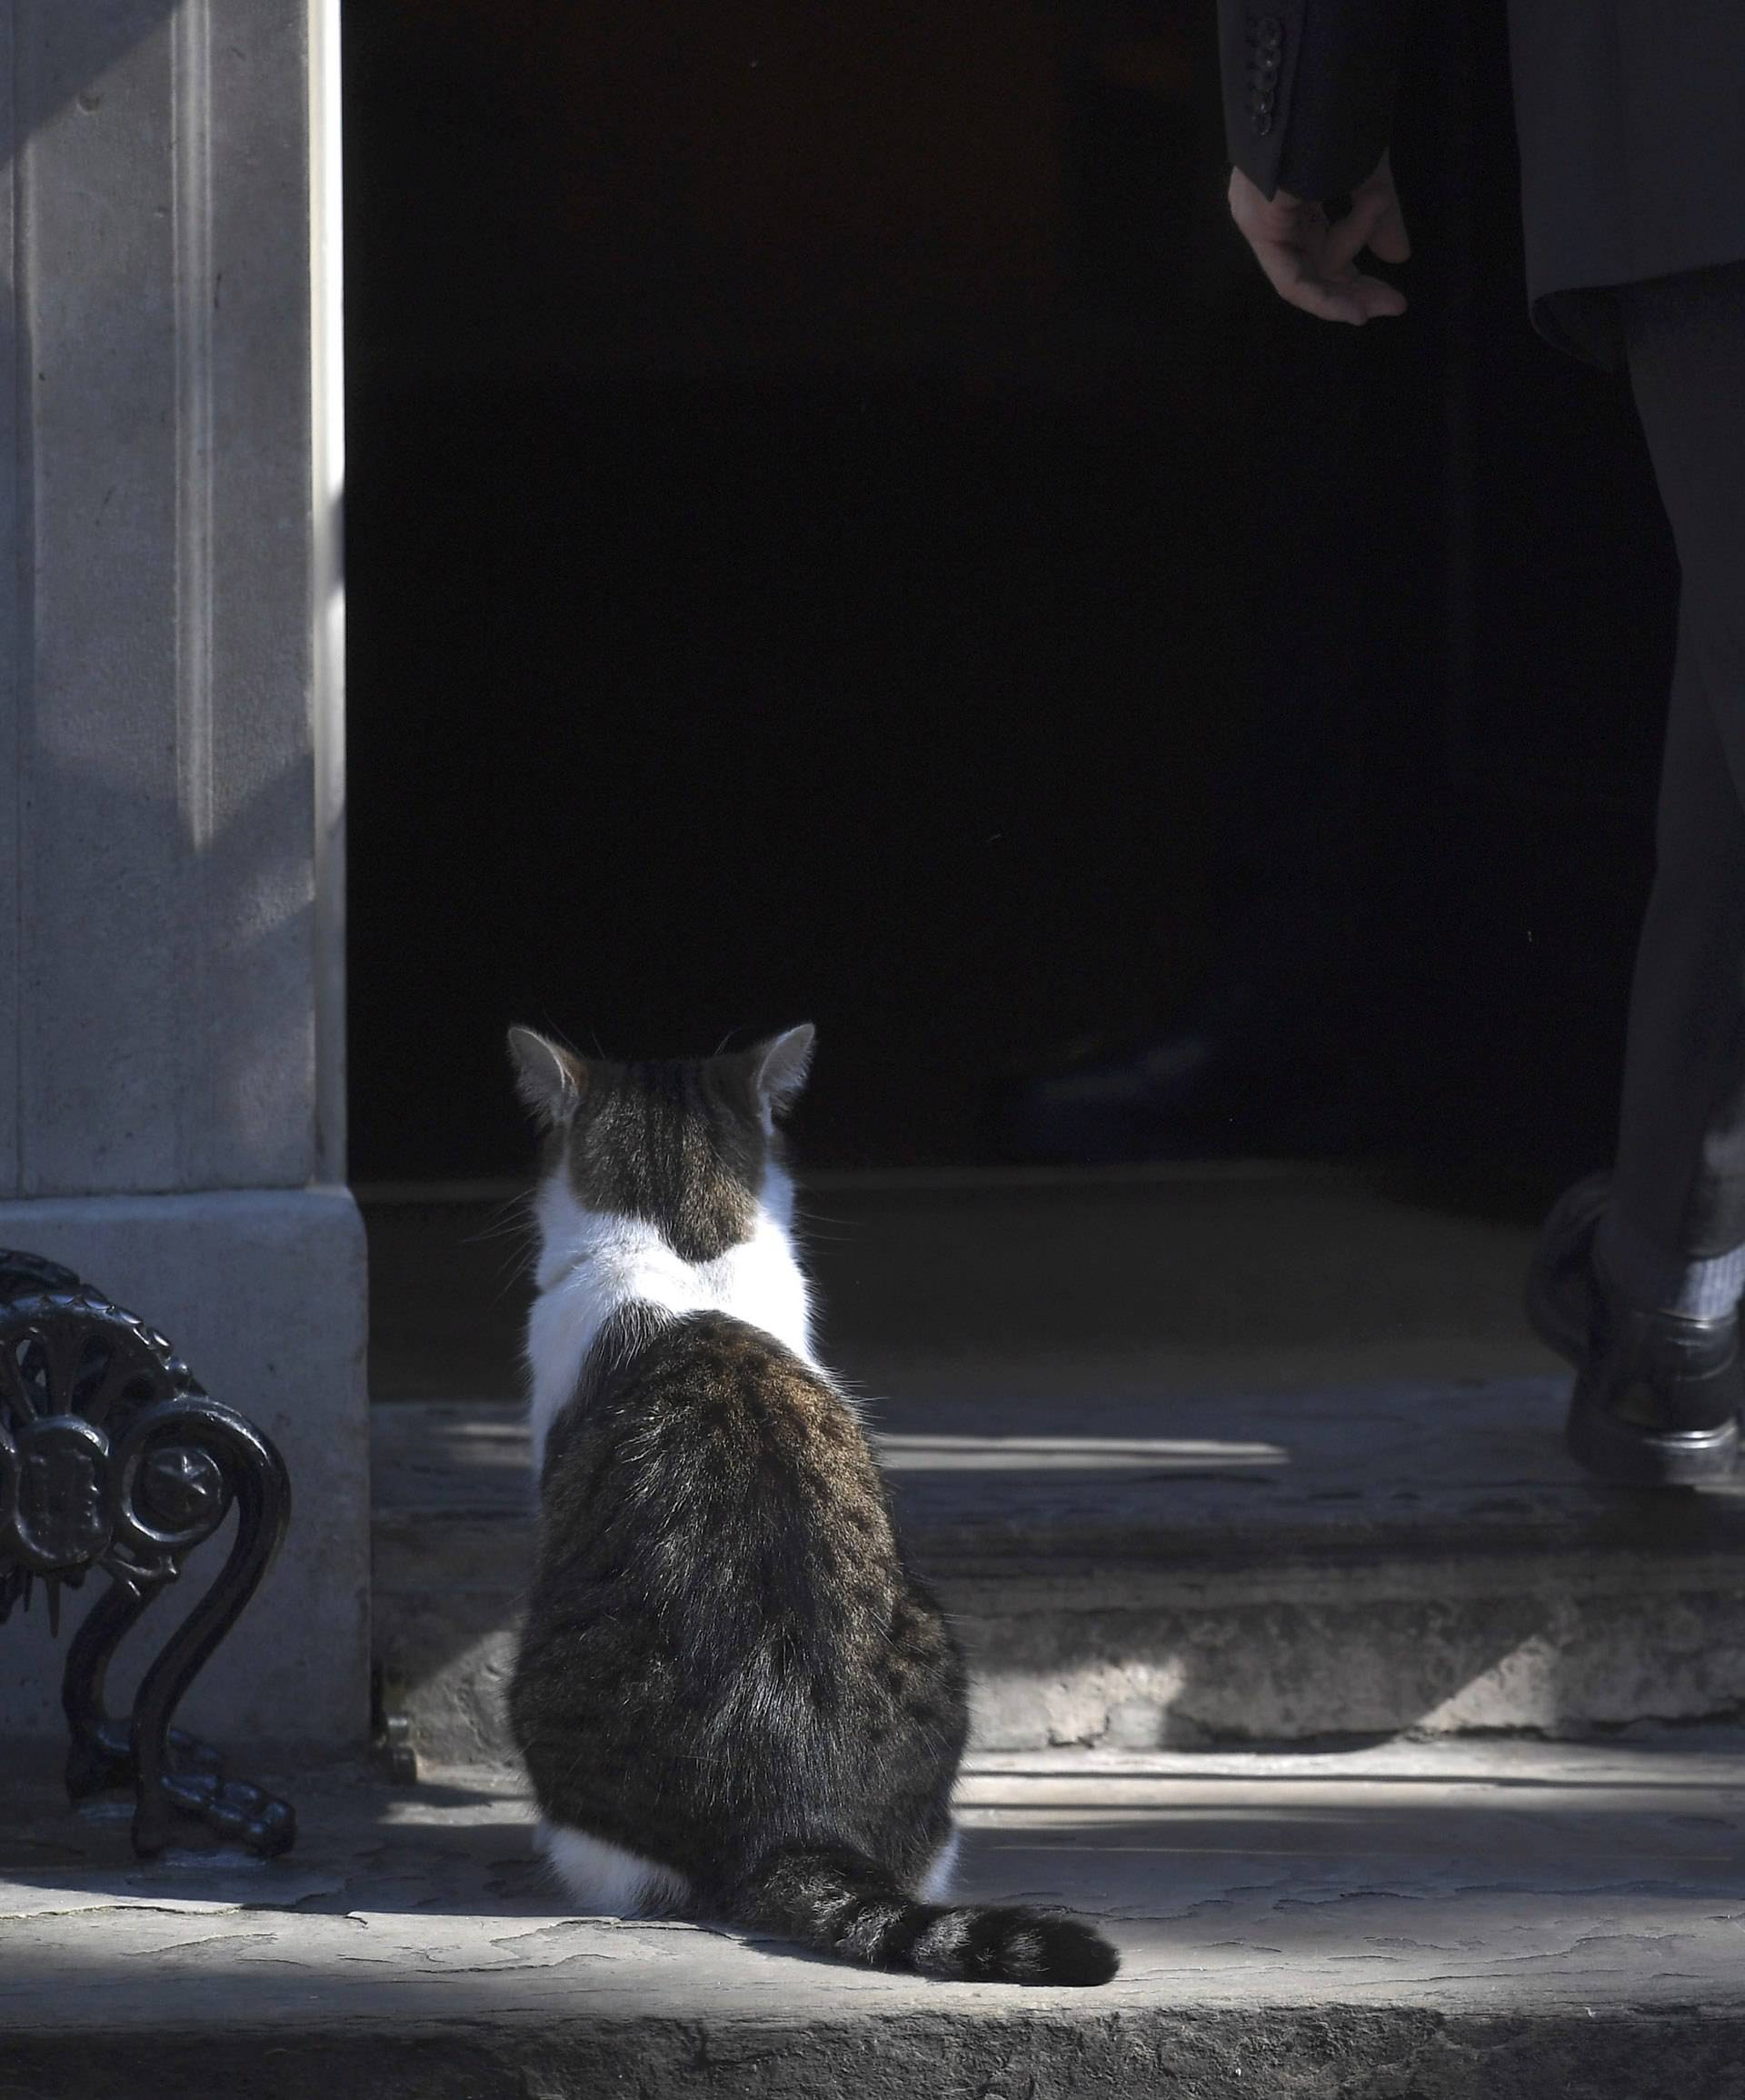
(1128, 1573)
(1500, 1918)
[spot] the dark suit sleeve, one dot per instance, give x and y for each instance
(1308, 89)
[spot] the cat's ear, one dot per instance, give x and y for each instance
(549, 1079)
(779, 1067)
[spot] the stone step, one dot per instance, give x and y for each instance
(1132, 1569)
(1447, 1920)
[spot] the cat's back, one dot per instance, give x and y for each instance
(718, 1573)
(682, 1426)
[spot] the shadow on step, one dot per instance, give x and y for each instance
(1531, 1872)
(1360, 1562)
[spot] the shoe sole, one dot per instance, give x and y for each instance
(1624, 1456)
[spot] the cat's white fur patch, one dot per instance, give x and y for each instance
(591, 1263)
(937, 1885)
(603, 1880)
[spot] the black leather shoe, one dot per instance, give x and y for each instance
(1563, 1284)
(1656, 1396)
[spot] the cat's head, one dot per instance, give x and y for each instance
(689, 1146)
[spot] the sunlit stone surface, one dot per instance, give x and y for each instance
(1438, 1919)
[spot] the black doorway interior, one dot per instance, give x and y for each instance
(836, 528)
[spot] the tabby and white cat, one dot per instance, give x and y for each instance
(734, 1698)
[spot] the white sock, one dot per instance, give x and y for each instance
(1696, 1288)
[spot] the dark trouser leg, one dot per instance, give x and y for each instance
(1679, 1190)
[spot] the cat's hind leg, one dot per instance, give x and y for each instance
(604, 1880)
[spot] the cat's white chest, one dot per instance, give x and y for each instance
(593, 1263)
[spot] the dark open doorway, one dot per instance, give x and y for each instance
(836, 528)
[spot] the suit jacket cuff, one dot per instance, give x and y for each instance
(1308, 89)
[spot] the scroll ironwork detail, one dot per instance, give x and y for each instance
(114, 1459)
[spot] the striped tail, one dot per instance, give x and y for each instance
(835, 1901)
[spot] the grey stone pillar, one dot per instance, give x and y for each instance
(171, 767)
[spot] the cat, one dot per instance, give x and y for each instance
(732, 1697)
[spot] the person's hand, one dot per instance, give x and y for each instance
(1311, 261)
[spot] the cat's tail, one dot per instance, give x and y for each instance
(837, 1902)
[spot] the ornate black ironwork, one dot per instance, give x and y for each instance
(111, 1456)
